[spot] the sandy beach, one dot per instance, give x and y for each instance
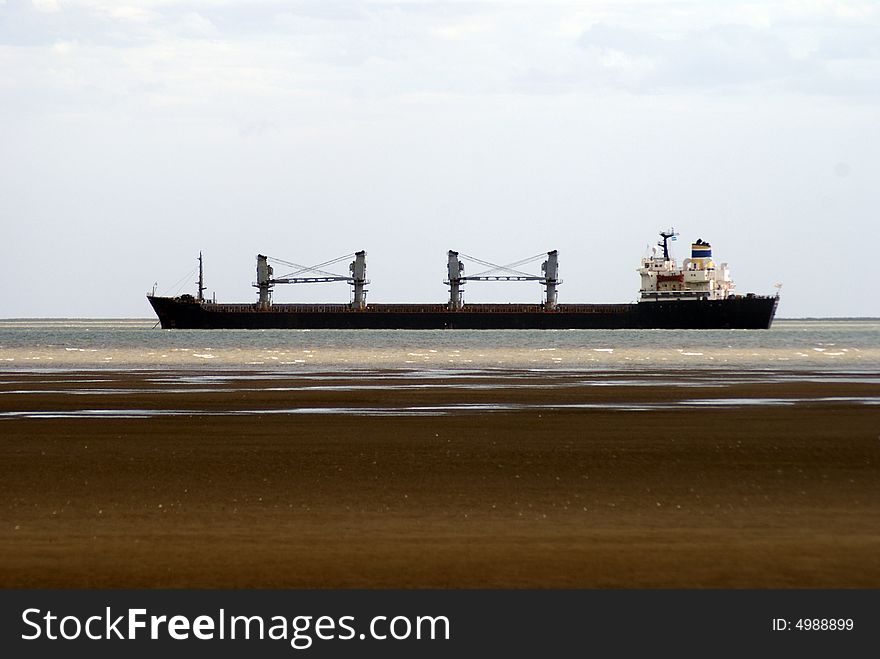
(506, 479)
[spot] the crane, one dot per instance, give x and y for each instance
(455, 279)
(357, 277)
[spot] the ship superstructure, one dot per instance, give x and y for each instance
(698, 278)
(697, 295)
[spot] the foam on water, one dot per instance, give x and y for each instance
(438, 410)
(58, 345)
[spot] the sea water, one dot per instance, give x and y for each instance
(85, 344)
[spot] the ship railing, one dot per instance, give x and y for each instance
(420, 308)
(593, 308)
(502, 308)
(405, 308)
(675, 295)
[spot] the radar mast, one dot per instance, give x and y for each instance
(665, 237)
(201, 295)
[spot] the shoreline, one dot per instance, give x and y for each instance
(739, 495)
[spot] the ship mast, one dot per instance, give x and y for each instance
(358, 279)
(550, 268)
(454, 268)
(201, 296)
(665, 236)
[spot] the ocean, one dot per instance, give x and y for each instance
(78, 344)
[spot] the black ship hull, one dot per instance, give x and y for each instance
(747, 312)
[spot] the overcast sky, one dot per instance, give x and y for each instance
(134, 134)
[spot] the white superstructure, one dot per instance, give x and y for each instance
(698, 277)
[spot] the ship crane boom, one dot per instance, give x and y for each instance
(308, 280)
(357, 279)
(504, 278)
(455, 279)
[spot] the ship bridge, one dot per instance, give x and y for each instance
(697, 278)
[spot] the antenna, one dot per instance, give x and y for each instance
(665, 237)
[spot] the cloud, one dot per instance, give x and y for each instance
(47, 6)
(722, 55)
(257, 128)
(204, 53)
(730, 56)
(859, 43)
(194, 24)
(463, 29)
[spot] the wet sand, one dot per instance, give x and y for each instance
(487, 480)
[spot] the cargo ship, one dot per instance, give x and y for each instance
(698, 294)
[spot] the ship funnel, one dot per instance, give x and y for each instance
(701, 250)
